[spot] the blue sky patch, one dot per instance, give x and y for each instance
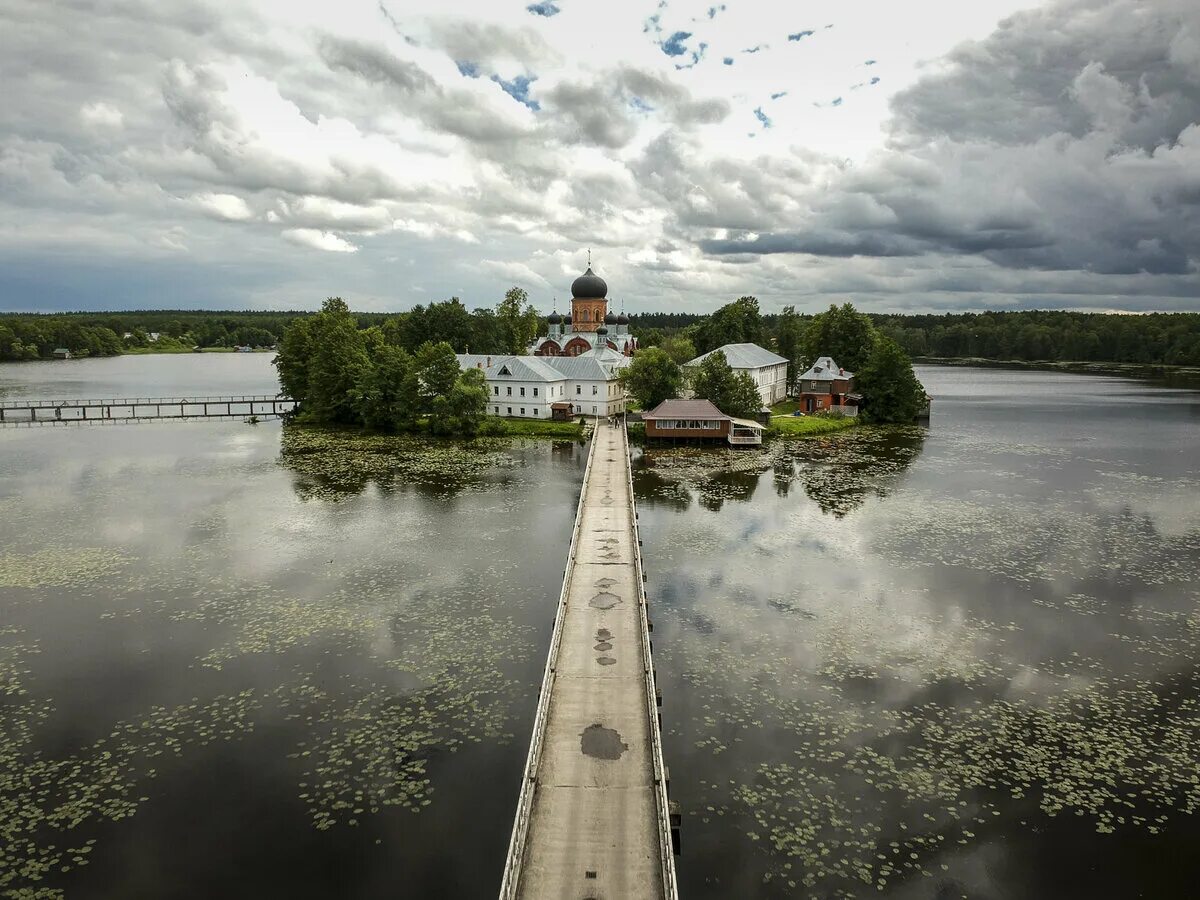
(546, 9)
(869, 62)
(754, 49)
(728, 60)
(762, 117)
(799, 35)
(641, 105)
(674, 46)
(713, 10)
(875, 80)
(518, 89)
(837, 101)
(467, 68)
(778, 95)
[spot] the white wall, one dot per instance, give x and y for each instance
(500, 401)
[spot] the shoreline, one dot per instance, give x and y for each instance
(1074, 367)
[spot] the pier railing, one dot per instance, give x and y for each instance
(129, 409)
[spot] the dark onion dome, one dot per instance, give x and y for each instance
(567, 319)
(610, 319)
(589, 286)
(554, 318)
(602, 331)
(622, 319)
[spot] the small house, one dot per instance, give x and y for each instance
(827, 386)
(699, 420)
(62, 353)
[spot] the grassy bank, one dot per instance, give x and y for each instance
(790, 427)
(496, 427)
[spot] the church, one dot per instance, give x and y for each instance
(588, 326)
(575, 370)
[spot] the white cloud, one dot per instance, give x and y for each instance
(228, 207)
(101, 115)
(318, 240)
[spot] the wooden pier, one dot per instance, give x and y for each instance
(26, 412)
(593, 819)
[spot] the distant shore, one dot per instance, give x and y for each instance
(1127, 370)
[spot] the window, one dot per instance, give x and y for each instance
(522, 410)
(497, 409)
(595, 390)
(510, 410)
(593, 409)
(522, 392)
(535, 411)
(509, 389)
(496, 390)
(535, 392)
(578, 390)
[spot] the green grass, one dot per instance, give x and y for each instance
(790, 427)
(542, 428)
(785, 407)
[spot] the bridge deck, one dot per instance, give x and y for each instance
(593, 820)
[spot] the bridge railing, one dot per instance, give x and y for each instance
(520, 833)
(140, 401)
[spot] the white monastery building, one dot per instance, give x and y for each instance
(572, 371)
(769, 370)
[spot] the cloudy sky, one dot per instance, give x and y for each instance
(909, 156)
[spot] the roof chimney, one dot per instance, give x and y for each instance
(489, 362)
(841, 371)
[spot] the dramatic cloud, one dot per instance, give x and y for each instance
(1001, 156)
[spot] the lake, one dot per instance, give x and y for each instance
(248, 661)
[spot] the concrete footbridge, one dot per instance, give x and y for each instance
(594, 819)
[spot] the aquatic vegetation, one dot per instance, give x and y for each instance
(58, 567)
(334, 465)
(383, 661)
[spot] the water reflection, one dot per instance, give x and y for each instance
(954, 663)
(838, 473)
(182, 631)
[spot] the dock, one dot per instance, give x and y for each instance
(594, 819)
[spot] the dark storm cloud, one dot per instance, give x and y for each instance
(1068, 141)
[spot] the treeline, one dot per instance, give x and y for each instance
(38, 335)
(341, 374)
(1171, 339)
(508, 328)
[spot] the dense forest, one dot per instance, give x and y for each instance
(1157, 338)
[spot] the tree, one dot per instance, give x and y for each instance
(715, 381)
(744, 400)
(739, 322)
(293, 358)
(518, 321)
(889, 388)
(336, 363)
(652, 377)
(842, 333)
(467, 402)
(679, 348)
(788, 334)
(437, 371)
(388, 396)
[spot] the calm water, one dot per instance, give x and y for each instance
(237, 661)
(953, 663)
(167, 375)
